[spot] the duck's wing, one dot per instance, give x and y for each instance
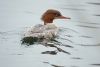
(33, 31)
(37, 28)
(46, 31)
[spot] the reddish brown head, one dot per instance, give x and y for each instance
(50, 15)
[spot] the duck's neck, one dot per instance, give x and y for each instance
(47, 22)
(48, 19)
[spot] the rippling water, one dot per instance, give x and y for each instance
(79, 42)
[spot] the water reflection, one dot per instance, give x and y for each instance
(95, 64)
(91, 45)
(88, 26)
(53, 65)
(97, 15)
(76, 9)
(93, 3)
(89, 23)
(86, 36)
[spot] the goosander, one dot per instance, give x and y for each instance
(44, 32)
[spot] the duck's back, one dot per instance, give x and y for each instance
(39, 30)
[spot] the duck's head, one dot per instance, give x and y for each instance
(51, 14)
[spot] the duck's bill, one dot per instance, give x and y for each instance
(62, 17)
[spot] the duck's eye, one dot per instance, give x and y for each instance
(58, 15)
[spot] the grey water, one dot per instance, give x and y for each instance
(80, 37)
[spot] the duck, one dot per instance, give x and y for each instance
(46, 31)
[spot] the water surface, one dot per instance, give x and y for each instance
(80, 37)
